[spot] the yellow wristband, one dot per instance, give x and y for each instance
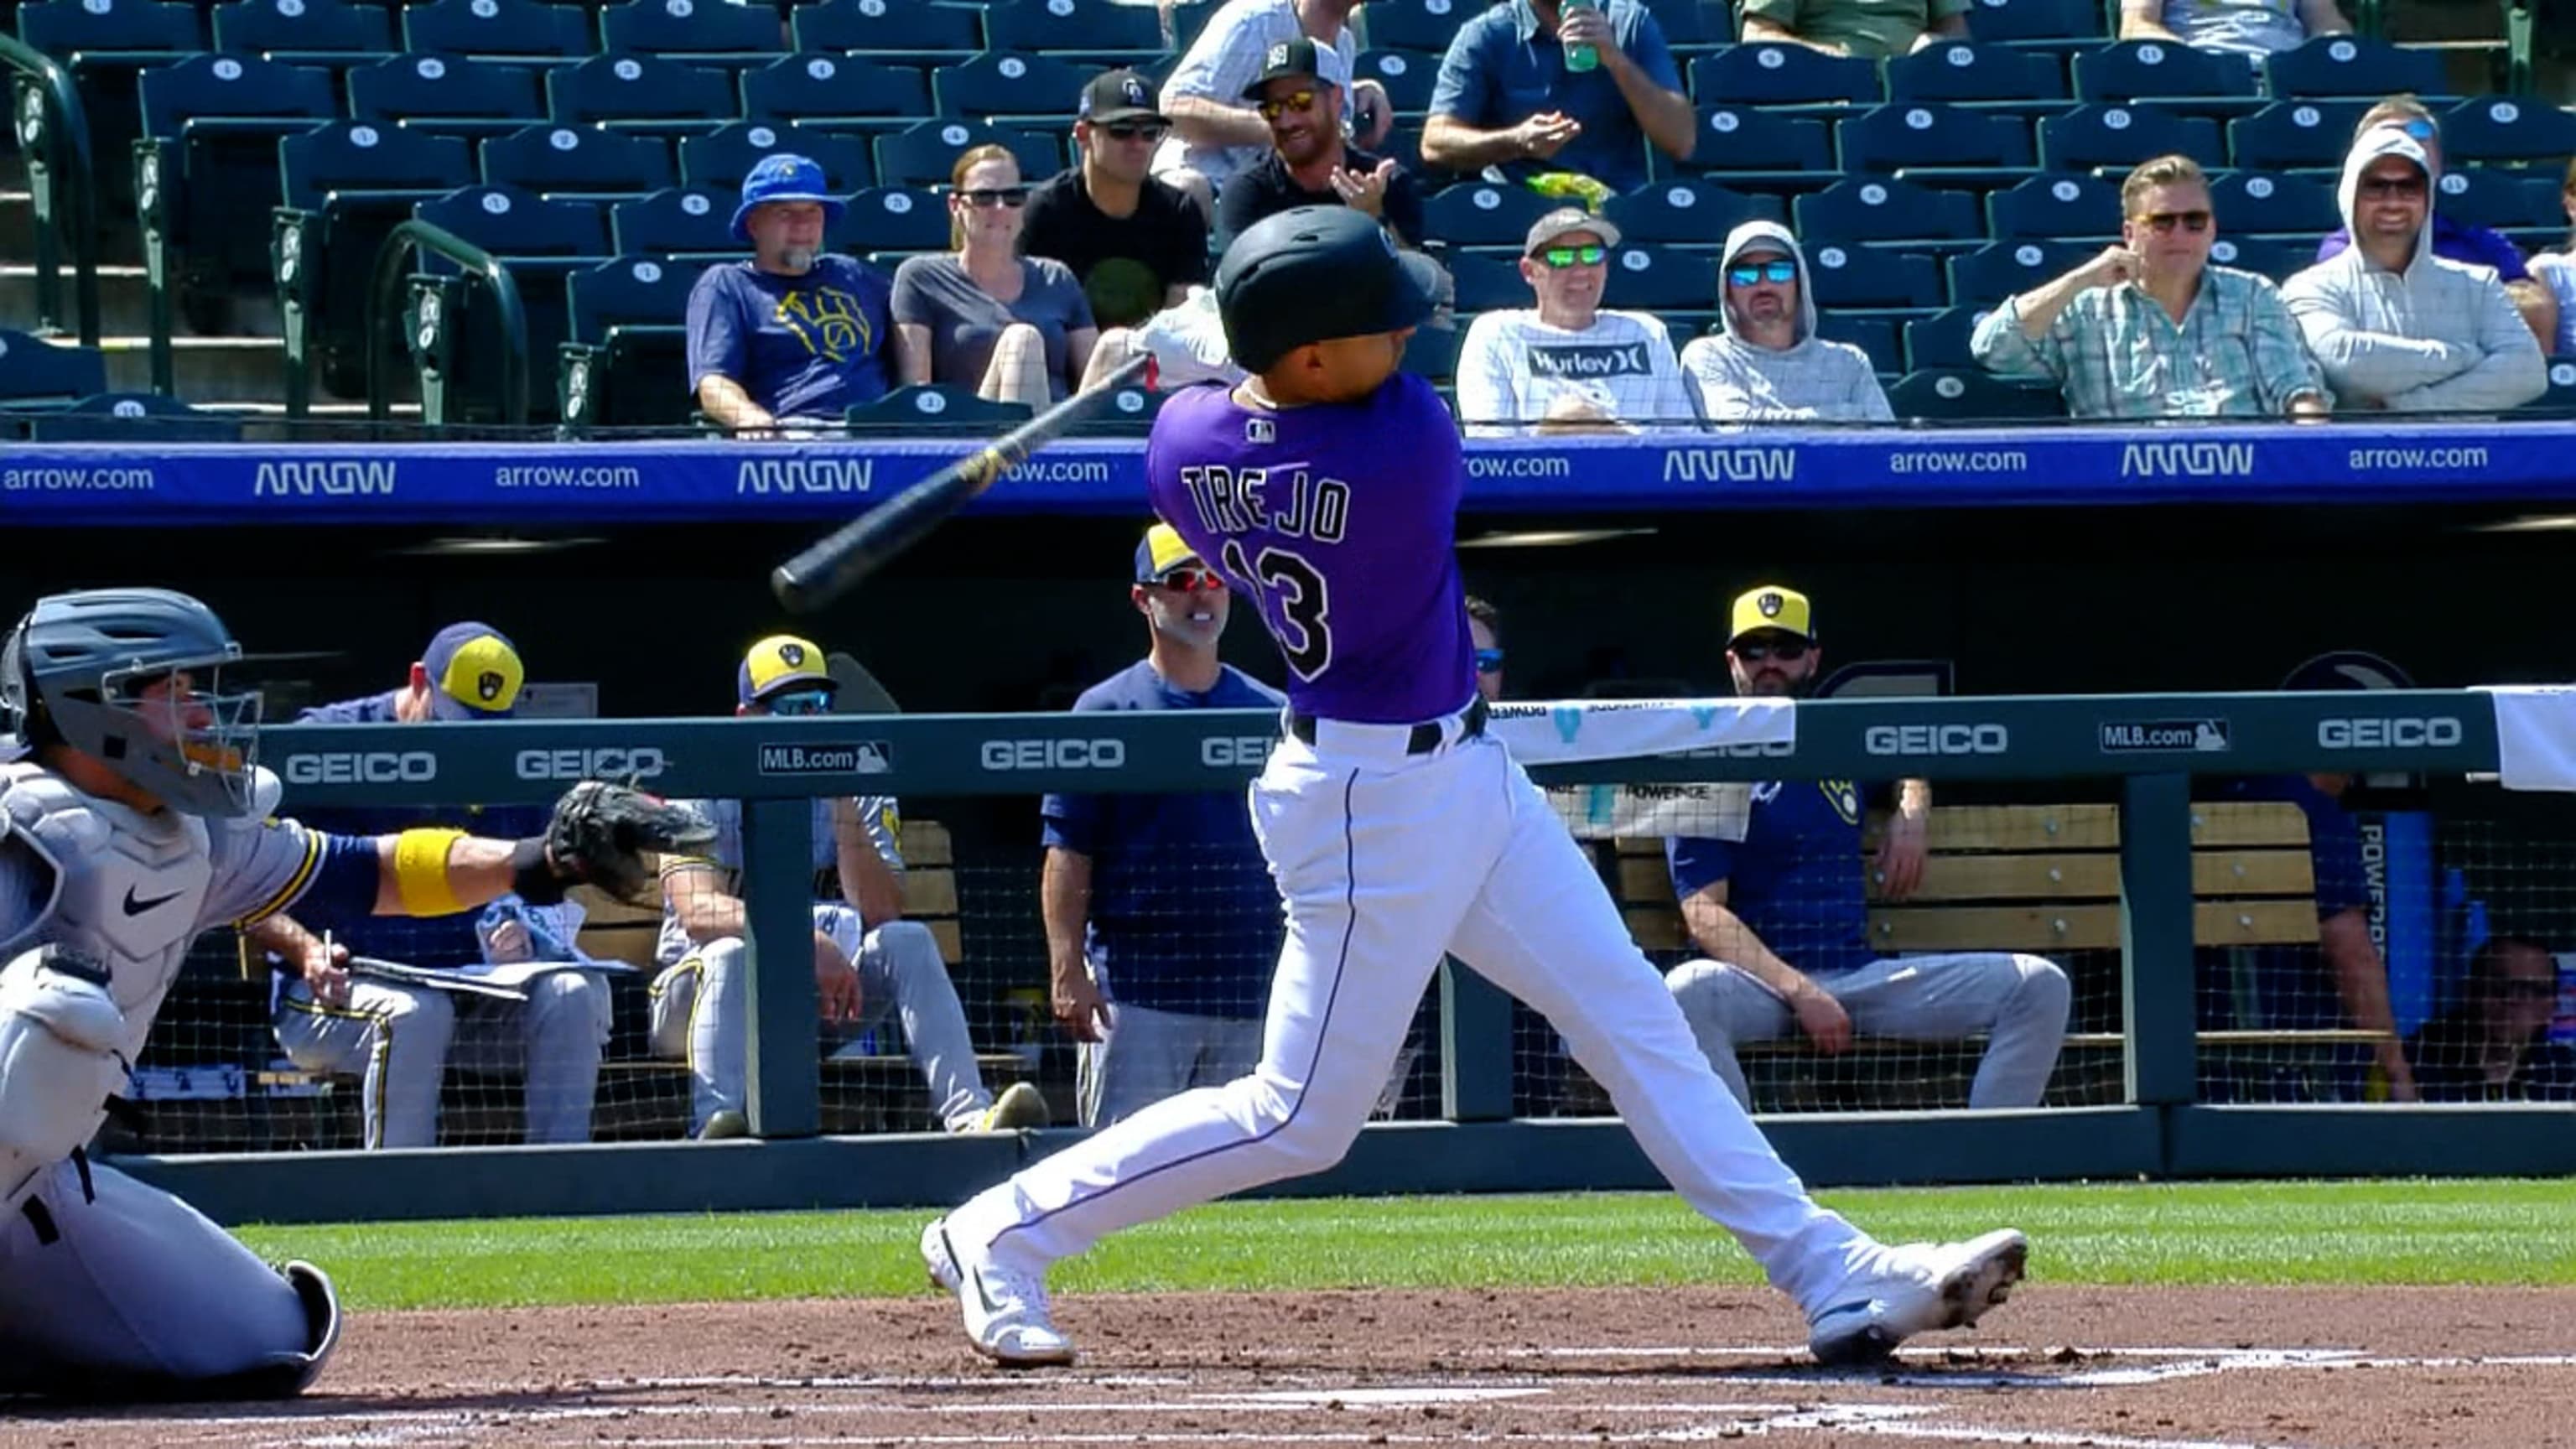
(420, 872)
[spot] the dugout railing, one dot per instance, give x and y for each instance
(2142, 752)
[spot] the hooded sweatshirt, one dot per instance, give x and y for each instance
(2436, 335)
(1810, 378)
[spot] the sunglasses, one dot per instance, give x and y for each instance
(2400, 186)
(1272, 110)
(992, 196)
(1756, 651)
(803, 701)
(1782, 270)
(1135, 130)
(1489, 661)
(1560, 258)
(2421, 130)
(1191, 581)
(2163, 222)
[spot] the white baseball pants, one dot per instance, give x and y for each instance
(2020, 1001)
(399, 1040)
(1387, 860)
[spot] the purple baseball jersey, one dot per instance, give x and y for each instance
(1339, 521)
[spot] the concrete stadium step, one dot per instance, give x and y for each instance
(203, 369)
(124, 296)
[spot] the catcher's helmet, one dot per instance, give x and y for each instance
(76, 670)
(1313, 273)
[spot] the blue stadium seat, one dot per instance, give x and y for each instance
(211, 124)
(936, 408)
(1130, 408)
(2355, 66)
(1929, 133)
(515, 223)
(1875, 334)
(1940, 341)
(1970, 395)
(33, 370)
(131, 417)
(833, 87)
(1487, 283)
(1871, 209)
(1687, 210)
(640, 91)
(900, 218)
(346, 186)
(2507, 128)
(1779, 74)
(318, 166)
(724, 156)
(295, 29)
(2107, 135)
(925, 153)
(2162, 70)
(2505, 200)
(1740, 140)
(2290, 134)
(61, 27)
(1989, 274)
(1693, 24)
(677, 221)
(2039, 24)
(1648, 278)
(999, 84)
(630, 291)
(446, 94)
(1424, 25)
(2247, 203)
(235, 89)
(1408, 75)
(2267, 256)
(694, 28)
(581, 159)
(2056, 206)
(1960, 70)
(1081, 27)
(1483, 214)
(889, 27)
(2560, 400)
(1845, 274)
(516, 29)
(1432, 352)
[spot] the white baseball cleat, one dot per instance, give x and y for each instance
(1007, 1315)
(1917, 1288)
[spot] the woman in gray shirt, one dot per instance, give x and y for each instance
(1012, 328)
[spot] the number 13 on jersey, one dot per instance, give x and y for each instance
(1278, 523)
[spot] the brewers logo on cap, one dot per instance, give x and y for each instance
(474, 673)
(1769, 603)
(778, 663)
(1770, 606)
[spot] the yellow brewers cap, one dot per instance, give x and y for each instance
(474, 673)
(779, 661)
(1770, 606)
(1162, 551)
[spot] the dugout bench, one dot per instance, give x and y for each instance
(2041, 879)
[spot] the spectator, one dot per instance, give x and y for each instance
(1214, 134)
(2495, 1046)
(2152, 328)
(1566, 365)
(1783, 913)
(2456, 240)
(1485, 630)
(1766, 360)
(2557, 271)
(796, 334)
(1162, 925)
(1136, 243)
(869, 963)
(400, 1038)
(1870, 29)
(1003, 326)
(1299, 92)
(2241, 27)
(2396, 326)
(1506, 103)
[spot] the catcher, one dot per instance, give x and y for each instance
(130, 808)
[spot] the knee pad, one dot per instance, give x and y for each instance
(62, 1042)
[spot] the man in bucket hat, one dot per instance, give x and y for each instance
(794, 335)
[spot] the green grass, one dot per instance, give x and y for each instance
(2414, 1232)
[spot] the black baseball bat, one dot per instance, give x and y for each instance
(869, 542)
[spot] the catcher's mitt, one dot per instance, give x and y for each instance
(601, 833)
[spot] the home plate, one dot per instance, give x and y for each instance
(1384, 1398)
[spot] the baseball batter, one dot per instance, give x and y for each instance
(1326, 487)
(135, 826)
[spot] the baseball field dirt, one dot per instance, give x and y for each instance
(2122, 1368)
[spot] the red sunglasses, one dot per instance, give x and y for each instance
(1192, 581)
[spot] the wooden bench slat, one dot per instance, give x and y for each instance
(930, 893)
(925, 843)
(2089, 877)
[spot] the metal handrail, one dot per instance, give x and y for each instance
(383, 310)
(70, 129)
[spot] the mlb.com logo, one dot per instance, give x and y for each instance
(2187, 460)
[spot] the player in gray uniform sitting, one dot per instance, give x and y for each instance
(867, 960)
(131, 821)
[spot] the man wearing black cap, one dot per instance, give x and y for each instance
(1136, 243)
(1299, 93)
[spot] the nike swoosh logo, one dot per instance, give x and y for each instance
(135, 907)
(972, 1276)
